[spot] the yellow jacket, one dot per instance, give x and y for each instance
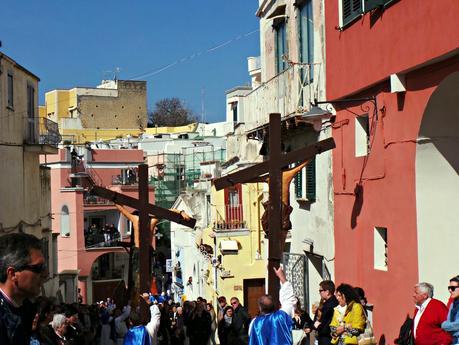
(354, 320)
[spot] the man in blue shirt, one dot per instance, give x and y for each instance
(273, 327)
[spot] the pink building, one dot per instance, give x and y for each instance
(91, 229)
(395, 166)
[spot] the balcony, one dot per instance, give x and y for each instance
(128, 179)
(290, 92)
(98, 238)
(41, 135)
(93, 200)
(233, 221)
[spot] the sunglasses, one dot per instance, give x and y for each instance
(38, 268)
(234, 303)
(452, 288)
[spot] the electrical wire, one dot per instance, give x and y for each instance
(192, 56)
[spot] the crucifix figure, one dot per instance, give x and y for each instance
(286, 209)
(143, 222)
(134, 219)
(279, 181)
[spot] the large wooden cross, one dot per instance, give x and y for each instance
(273, 167)
(145, 209)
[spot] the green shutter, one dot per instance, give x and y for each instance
(351, 9)
(370, 5)
(299, 184)
(311, 180)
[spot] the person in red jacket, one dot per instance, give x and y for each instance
(428, 316)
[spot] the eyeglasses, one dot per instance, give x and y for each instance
(38, 268)
(452, 288)
(234, 303)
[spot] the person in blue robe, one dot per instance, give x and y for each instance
(273, 327)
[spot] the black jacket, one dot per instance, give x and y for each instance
(323, 331)
(15, 323)
(241, 322)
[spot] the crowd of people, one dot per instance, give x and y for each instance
(341, 317)
(101, 236)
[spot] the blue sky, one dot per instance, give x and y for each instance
(76, 43)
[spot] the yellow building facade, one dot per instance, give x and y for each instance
(240, 266)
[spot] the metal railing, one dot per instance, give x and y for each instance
(90, 199)
(289, 92)
(97, 239)
(233, 219)
(40, 130)
(128, 180)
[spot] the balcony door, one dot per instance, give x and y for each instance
(233, 206)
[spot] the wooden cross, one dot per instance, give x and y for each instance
(273, 167)
(145, 209)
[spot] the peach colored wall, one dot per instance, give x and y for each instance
(117, 156)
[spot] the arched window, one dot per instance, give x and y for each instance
(65, 221)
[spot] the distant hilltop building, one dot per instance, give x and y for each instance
(114, 108)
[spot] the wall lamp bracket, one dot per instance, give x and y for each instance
(371, 99)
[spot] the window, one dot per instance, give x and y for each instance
(305, 182)
(380, 249)
(353, 9)
(281, 46)
(32, 128)
(65, 222)
(10, 91)
(30, 101)
(370, 5)
(234, 111)
(306, 37)
(362, 135)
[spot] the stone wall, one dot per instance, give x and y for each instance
(127, 110)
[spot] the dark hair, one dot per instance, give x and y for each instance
(348, 292)
(227, 308)
(266, 304)
(328, 285)
(361, 294)
(455, 279)
(15, 251)
(221, 299)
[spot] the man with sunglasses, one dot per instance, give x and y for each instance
(451, 324)
(22, 273)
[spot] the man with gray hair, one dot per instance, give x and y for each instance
(428, 317)
(59, 325)
(22, 273)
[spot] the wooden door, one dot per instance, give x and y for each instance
(253, 290)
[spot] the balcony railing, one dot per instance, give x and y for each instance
(96, 238)
(233, 219)
(128, 180)
(95, 200)
(40, 130)
(289, 92)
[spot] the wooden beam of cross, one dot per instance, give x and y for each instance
(145, 209)
(299, 155)
(273, 168)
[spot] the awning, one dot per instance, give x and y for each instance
(229, 246)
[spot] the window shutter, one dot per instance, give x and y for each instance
(299, 184)
(370, 5)
(311, 180)
(351, 9)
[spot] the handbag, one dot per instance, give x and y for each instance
(367, 337)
